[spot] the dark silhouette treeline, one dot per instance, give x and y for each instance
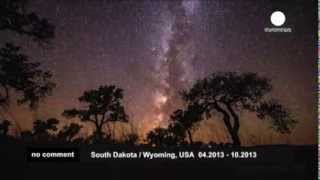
(223, 95)
(218, 95)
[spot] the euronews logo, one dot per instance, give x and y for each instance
(278, 19)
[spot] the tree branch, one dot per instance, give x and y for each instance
(226, 117)
(235, 117)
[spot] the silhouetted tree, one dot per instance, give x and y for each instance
(4, 127)
(42, 131)
(16, 70)
(166, 137)
(68, 132)
(159, 137)
(183, 122)
(23, 77)
(15, 17)
(43, 127)
(17, 73)
(229, 93)
(103, 105)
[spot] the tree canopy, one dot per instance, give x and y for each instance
(102, 105)
(18, 74)
(15, 17)
(23, 77)
(230, 93)
(184, 122)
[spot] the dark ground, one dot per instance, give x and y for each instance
(273, 162)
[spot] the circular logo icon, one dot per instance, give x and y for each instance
(278, 18)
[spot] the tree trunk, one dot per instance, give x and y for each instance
(190, 136)
(235, 138)
(233, 131)
(236, 126)
(99, 132)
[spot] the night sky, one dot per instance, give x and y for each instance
(153, 49)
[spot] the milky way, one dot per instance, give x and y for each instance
(174, 69)
(154, 49)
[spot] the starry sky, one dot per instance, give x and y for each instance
(154, 49)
